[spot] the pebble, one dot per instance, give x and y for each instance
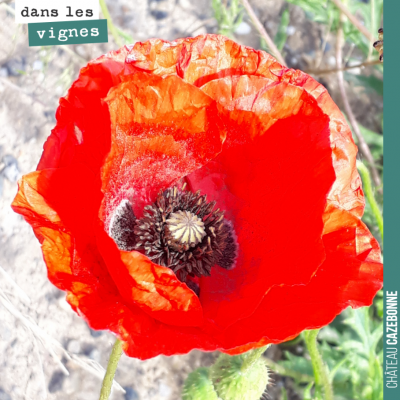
(158, 14)
(243, 29)
(164, 390)
(10, 170)
(95, 355)
(332, 61)
(4, 395)
(74, 346)
(37, 65)
(131, 394)
(81, 50)
(56, 382)
(5, 333)
(94, 333)
(16, 66)
(299, 349)
(290, 30)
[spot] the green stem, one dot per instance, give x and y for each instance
(111, 368)
(369, 193)
(111, 27)
(322, 384)
(251, 357)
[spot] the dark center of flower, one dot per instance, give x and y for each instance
(180, 230)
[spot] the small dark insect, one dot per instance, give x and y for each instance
(379, 44)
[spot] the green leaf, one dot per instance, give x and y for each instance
(298, 364)
(376, 336)
(336, 368)
(307, 391)
(284, 394)
(316, 10)
(329, 334)
(373, 139)
(370, 83)
(353, 346)
(228, 17)
(281, 35)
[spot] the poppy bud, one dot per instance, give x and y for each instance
(198, 386)
(234, 382)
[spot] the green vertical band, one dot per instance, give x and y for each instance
(391, 106)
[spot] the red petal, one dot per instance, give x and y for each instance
(154, 289)
(211, 57)
(162, 129)
(196, 60)
(350, 276)
(82, 133)
(247, 347)
(156, 56)
(66, 199)
(264, 178)
(61, 205)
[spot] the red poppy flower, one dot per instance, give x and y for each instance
(197, 194)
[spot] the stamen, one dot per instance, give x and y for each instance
(122, 226)
(179, 231)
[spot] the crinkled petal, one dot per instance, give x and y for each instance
(66, 199)
(196, 60)
(62, 205)
(207, 58)
(272, 178)
(156, 56)
(151, 287)
(162, 129)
